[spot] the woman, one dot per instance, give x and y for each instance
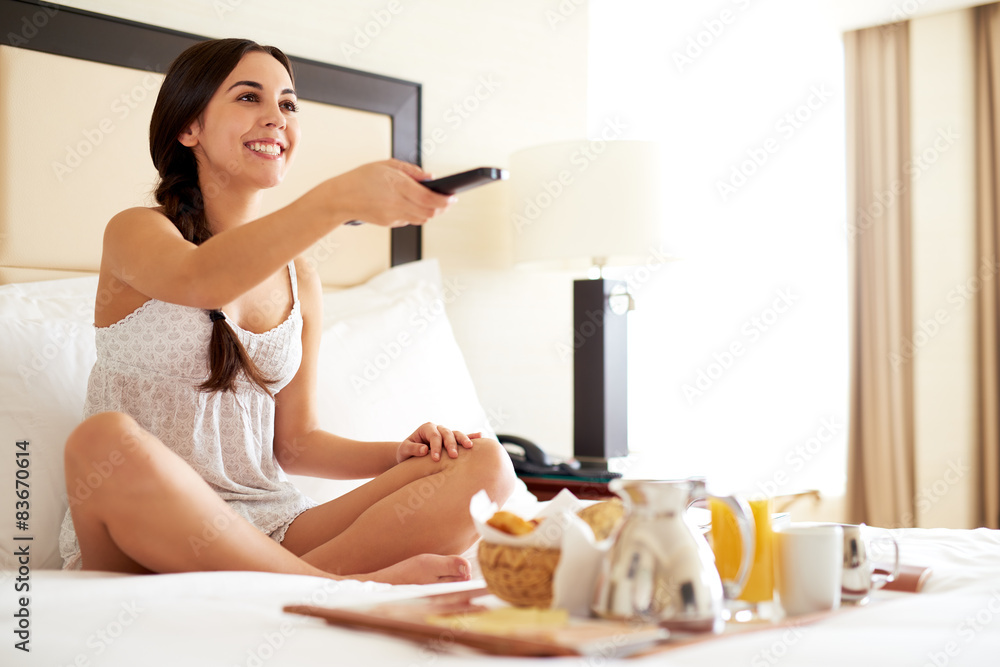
(208, 330)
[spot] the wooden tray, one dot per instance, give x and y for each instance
(410, 619)
(911, 578)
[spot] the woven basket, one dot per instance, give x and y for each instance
(521, 576)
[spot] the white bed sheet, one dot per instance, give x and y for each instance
(235, 618)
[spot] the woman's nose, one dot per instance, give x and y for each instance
(274, 117)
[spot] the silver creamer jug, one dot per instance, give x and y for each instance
(660, 568)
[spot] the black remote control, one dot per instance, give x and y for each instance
(460, 182)
(466, 180)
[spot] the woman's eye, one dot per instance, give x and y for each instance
(287, 105)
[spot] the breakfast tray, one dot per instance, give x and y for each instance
(450, 618)
(441, 621)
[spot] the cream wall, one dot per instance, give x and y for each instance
(496, 77)
(944, 266)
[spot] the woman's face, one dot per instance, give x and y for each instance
(249, 130)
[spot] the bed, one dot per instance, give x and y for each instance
(73, 156)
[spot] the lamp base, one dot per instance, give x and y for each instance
(592, 463)
(600, 375)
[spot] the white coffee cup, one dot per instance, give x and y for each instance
(808, 566)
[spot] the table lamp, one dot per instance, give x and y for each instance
(591, 204)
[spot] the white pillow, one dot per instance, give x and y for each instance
(66, 299)
(388, 363)
(48, 351)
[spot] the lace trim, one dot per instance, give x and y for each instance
(130, 316)
(291, 317)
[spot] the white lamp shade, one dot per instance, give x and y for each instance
(581, 202)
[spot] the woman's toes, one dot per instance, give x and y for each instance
(425, 569)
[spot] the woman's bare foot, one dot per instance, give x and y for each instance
(423, 569)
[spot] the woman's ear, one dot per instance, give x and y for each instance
(189, 137)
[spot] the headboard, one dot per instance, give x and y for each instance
(76, 95)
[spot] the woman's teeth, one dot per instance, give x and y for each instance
(258, 147)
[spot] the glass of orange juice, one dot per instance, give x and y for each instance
(728, 549)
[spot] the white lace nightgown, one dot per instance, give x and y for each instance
(149, 366)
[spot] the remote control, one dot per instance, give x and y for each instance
(465, 180)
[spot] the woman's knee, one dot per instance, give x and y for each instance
(97, 448)
(491, 465)
(100, 437)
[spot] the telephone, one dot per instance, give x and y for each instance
(529, 459)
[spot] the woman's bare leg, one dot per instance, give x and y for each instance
(419, 506)
(138, 507)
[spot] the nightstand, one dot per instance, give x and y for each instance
(546, 488)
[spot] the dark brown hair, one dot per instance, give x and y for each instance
(191, 81)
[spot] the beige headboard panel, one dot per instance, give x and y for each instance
(74, 151)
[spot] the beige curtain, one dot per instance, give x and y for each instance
(880, 441)
(987, 21)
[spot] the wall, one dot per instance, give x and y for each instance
(496, 77)
(944, 267)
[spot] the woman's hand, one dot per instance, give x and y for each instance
(432, 439)
(387, 193)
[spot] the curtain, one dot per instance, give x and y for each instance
(987, 45)
(880, 488)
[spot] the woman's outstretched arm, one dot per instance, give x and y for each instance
(143, 248)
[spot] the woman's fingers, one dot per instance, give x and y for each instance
(440, 439)
(430, 434)
(408, 449)
(448, 441)
(387, 193)
(423, 203)
(410, 169)
(465, 440)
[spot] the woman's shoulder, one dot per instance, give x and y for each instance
(139, 218)
(141, 213)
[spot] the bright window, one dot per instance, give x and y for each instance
(739, 350)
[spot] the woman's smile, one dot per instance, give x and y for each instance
(269, 149)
